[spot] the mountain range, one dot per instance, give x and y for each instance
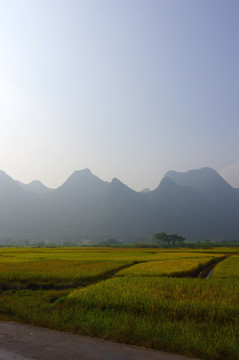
(198, 204)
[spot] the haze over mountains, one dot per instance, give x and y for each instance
(231, 174)
(198, 204)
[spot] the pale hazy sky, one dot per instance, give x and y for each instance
(127, 88)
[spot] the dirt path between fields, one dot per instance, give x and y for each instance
(26, 342)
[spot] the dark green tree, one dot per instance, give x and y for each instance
(160, 239)
(164, 240)
(177, 240)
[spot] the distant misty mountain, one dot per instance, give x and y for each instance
(206, 180)
(198, 204)
(35, 187)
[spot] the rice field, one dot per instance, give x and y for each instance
(94, 254)
(201, 303)
(55, 273)
(168, 267)
(146, 297)
(227, 269)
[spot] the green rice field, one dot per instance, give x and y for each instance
(154, 298)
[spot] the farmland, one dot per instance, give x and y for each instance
(228, 268)
(149, 297)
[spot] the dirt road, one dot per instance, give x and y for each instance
(25, 342)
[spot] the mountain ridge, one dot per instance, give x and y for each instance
(197, 204)
(34, 186)
(203, 179)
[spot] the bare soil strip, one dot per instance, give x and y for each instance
(26, 342)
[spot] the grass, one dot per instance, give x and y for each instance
(136, 304)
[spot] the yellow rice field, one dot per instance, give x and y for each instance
(229, 268)
(167, 267)
(147, 297)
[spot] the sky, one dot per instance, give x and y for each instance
(127, 88)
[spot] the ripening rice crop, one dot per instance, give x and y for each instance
(190, 316)
(54, 273)
(173, 267)
(177, 298)
(229, 268)
(95, 254)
